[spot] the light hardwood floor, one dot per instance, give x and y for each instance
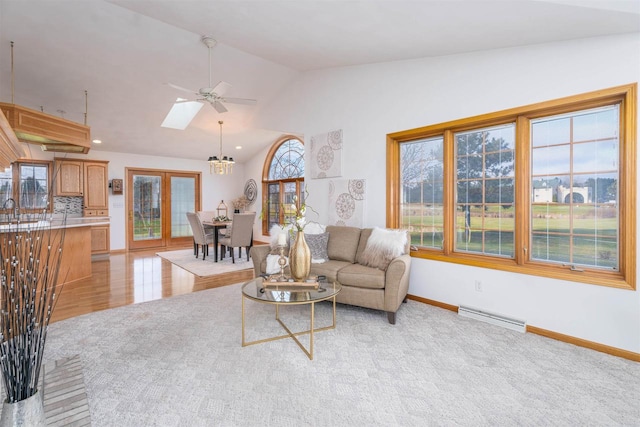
(131, 278)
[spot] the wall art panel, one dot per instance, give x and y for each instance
(326, 154)
(346, 202)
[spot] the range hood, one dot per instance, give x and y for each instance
(50, 132)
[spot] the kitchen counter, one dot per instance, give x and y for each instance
(76, 251)
(55, 223)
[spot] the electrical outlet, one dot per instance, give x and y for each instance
(478, 286)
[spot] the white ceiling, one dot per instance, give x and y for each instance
(124, 52)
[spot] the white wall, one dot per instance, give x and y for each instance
(368, 102)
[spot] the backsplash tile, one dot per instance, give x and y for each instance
(73, 205)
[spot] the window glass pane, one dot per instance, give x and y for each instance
(273, 204)
(183, 200)
(550, 218)
(575, 215)
(485, 189)
(595, 252)
(6, 185)
(551, 132)
(289, 199)
(595, 156)
(596, 124)
(288, 161)
(421, 208)
(550, 160)
(34, 186)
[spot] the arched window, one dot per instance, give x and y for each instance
(282, 181)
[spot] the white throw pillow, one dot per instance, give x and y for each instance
(272, 264)
(274, 233)
(383, 246)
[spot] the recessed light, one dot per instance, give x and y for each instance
(238, 147)
(97, 141)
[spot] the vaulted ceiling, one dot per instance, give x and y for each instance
(125, 52)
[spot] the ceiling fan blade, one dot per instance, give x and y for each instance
(219, 107)
(221, 88)
(182, 88)
(244, 101)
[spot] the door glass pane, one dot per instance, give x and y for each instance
(183, 190)
(147, 222)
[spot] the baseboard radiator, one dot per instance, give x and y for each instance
(494, 319)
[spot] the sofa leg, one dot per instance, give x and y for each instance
(391, 316)
(405, 300)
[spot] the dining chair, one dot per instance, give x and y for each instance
(241, 235)
(200, 238)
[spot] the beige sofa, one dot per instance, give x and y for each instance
(361, 285)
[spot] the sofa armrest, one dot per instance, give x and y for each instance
(258, 254)
(396, 282)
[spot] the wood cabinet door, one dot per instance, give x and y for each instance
(96, 195)
(100, 239)
(69, 178)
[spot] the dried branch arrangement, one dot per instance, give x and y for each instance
(30, 255)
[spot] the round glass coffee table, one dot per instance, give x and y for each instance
(265, 292)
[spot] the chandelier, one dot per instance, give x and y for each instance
(219, 164)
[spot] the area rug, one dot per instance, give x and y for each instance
(184, 258)
(179, 362)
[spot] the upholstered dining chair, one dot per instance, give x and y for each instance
(241, 235)
(200, 238)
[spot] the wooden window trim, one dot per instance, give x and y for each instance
(625, 95)
(266, 181)
(15, 172)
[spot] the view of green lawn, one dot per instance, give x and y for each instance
(587, 236)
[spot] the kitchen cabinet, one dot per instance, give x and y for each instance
(69, 177)
(100, 239)
(96, 188)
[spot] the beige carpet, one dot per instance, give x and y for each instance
(184, 258)
(179, 362)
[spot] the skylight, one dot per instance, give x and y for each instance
(181, 114)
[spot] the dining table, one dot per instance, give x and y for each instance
(216, 225)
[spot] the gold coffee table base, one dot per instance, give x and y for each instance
(279, 297)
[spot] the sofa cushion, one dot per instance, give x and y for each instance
(329, 269)
(362, 277)
(343, 243)
(364, 237)
(382, 247)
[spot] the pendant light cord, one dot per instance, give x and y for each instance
(12, 84)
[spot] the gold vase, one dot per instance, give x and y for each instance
(300, 258)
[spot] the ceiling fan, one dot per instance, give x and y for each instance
(214, 95)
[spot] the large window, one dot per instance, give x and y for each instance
(546, 189)
(282, 182)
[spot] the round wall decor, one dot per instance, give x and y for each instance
(251, 191)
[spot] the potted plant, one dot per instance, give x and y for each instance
(240, 203)
(30, 255)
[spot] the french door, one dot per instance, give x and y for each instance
(157, 204)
